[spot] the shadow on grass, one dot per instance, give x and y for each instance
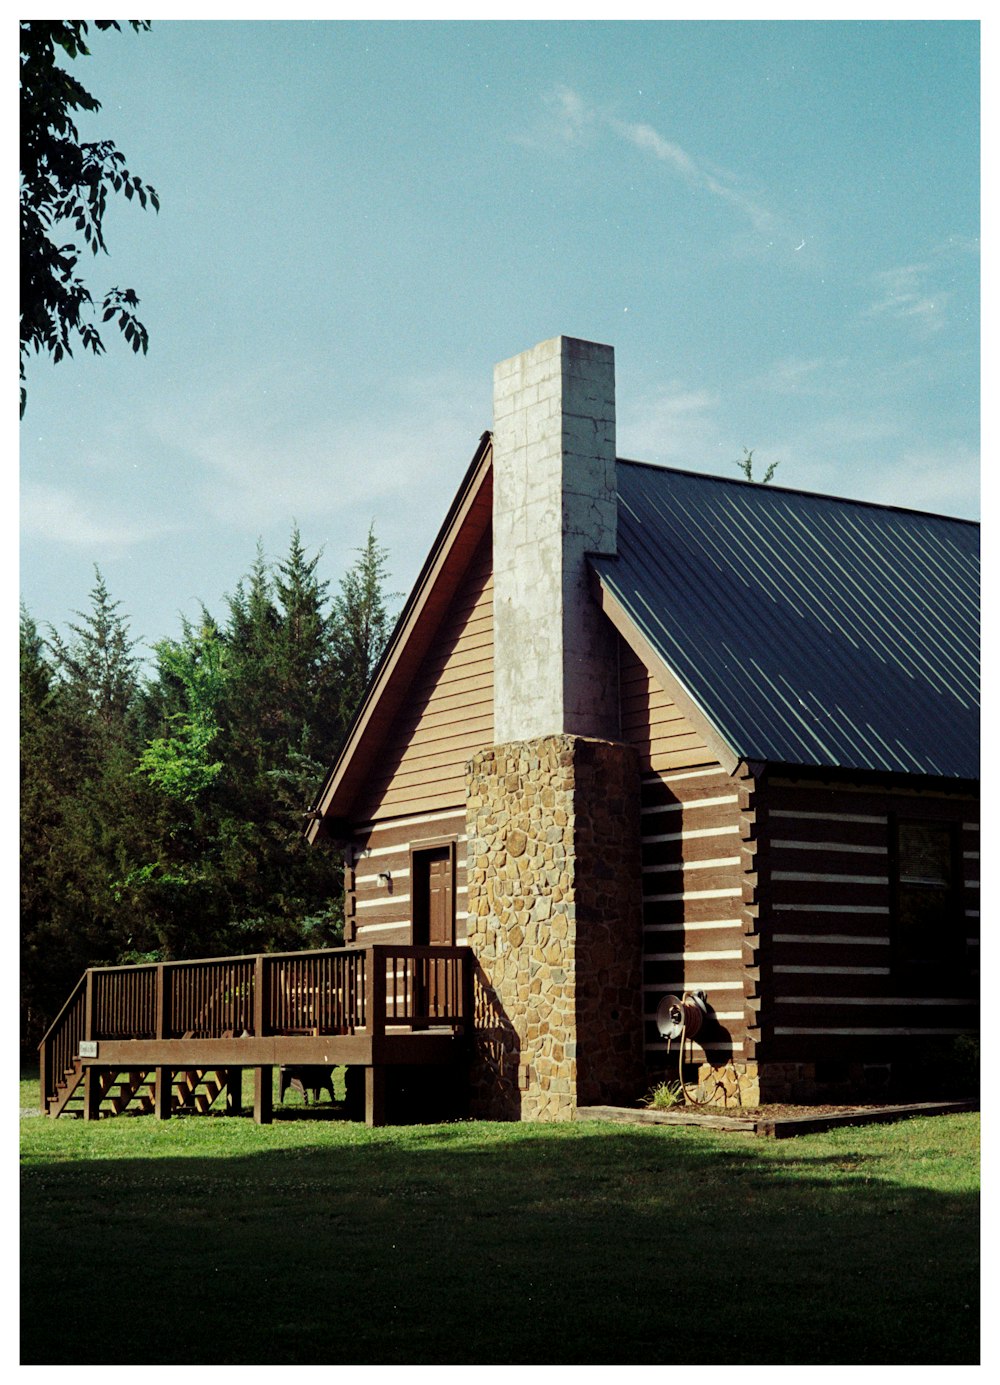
(477, 1244)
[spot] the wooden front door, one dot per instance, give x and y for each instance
(432, 893)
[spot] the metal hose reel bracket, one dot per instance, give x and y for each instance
(681, 1016)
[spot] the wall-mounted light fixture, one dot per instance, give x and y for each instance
(385, 877)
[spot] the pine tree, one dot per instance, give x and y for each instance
(98, 667)
(40, 759)
(82, 818)
(362, 623)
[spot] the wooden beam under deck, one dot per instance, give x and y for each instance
(325, 1050)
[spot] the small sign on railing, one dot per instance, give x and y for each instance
(88, 1048)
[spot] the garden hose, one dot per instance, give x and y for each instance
(685, 1011)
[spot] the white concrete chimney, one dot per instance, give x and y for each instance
(554, 501)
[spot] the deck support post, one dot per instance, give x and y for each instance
(44, 1075)
(91, 1095)
(234, 1091)
(263, 1095)
(163, 1095)
(374, 1096)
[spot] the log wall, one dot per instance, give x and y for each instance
(380, 912)
(692, 869)
(776, 897)
(839, 986)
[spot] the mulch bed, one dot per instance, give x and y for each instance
(777, 1121)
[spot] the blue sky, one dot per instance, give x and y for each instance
(774, 224)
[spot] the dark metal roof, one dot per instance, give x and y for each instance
(810, 630)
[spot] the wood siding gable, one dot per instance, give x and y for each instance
(448, 711)
(437, 643)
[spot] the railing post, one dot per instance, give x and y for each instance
(91, 1085)
(260, 997)
(375, 990)
(468, 991)
(162, 1028)
(88, 1006)
(163, 1094)
(263, 1079)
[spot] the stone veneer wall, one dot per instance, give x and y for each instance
(736, 1084)
(555, 924)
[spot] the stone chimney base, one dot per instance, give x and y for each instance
(555, 926)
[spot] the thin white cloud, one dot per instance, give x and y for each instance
(570, 120)
(566, 120)
(794, 376)
(718, 182)
(571, 113)
(645, 137)
(255, 466)
(943, 479)
(672, 426)
(249, 475)
(866, 456)
(958, 245)
(56, 514)
(905, 293)
(861, 453)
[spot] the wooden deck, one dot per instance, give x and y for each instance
(171, 1034)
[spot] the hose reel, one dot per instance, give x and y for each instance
(681, 1017)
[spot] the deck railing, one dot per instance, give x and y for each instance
(328, 991)
(61, 1044)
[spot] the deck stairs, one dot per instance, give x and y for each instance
(134, 1090)
(68, 1094)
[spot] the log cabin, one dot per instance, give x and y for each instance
(644, 732)
(640, 733)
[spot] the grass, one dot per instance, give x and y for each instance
(206, 1240)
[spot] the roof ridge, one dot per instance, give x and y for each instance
(797, 490)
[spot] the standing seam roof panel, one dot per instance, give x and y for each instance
(810, 630)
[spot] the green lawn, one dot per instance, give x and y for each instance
(314, 1240)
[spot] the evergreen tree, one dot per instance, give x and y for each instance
(281, 724)
(362, 623)
(164, 820)
(81, 814)
(98, 667)
(40, 757)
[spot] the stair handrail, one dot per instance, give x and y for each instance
(46, 1085)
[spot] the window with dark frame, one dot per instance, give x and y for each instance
(927, 894)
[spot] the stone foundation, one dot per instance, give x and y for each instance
(555, 925)
(736, 1084)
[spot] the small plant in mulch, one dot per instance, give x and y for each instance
(663, 1097)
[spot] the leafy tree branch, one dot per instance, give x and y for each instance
(64, 195)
